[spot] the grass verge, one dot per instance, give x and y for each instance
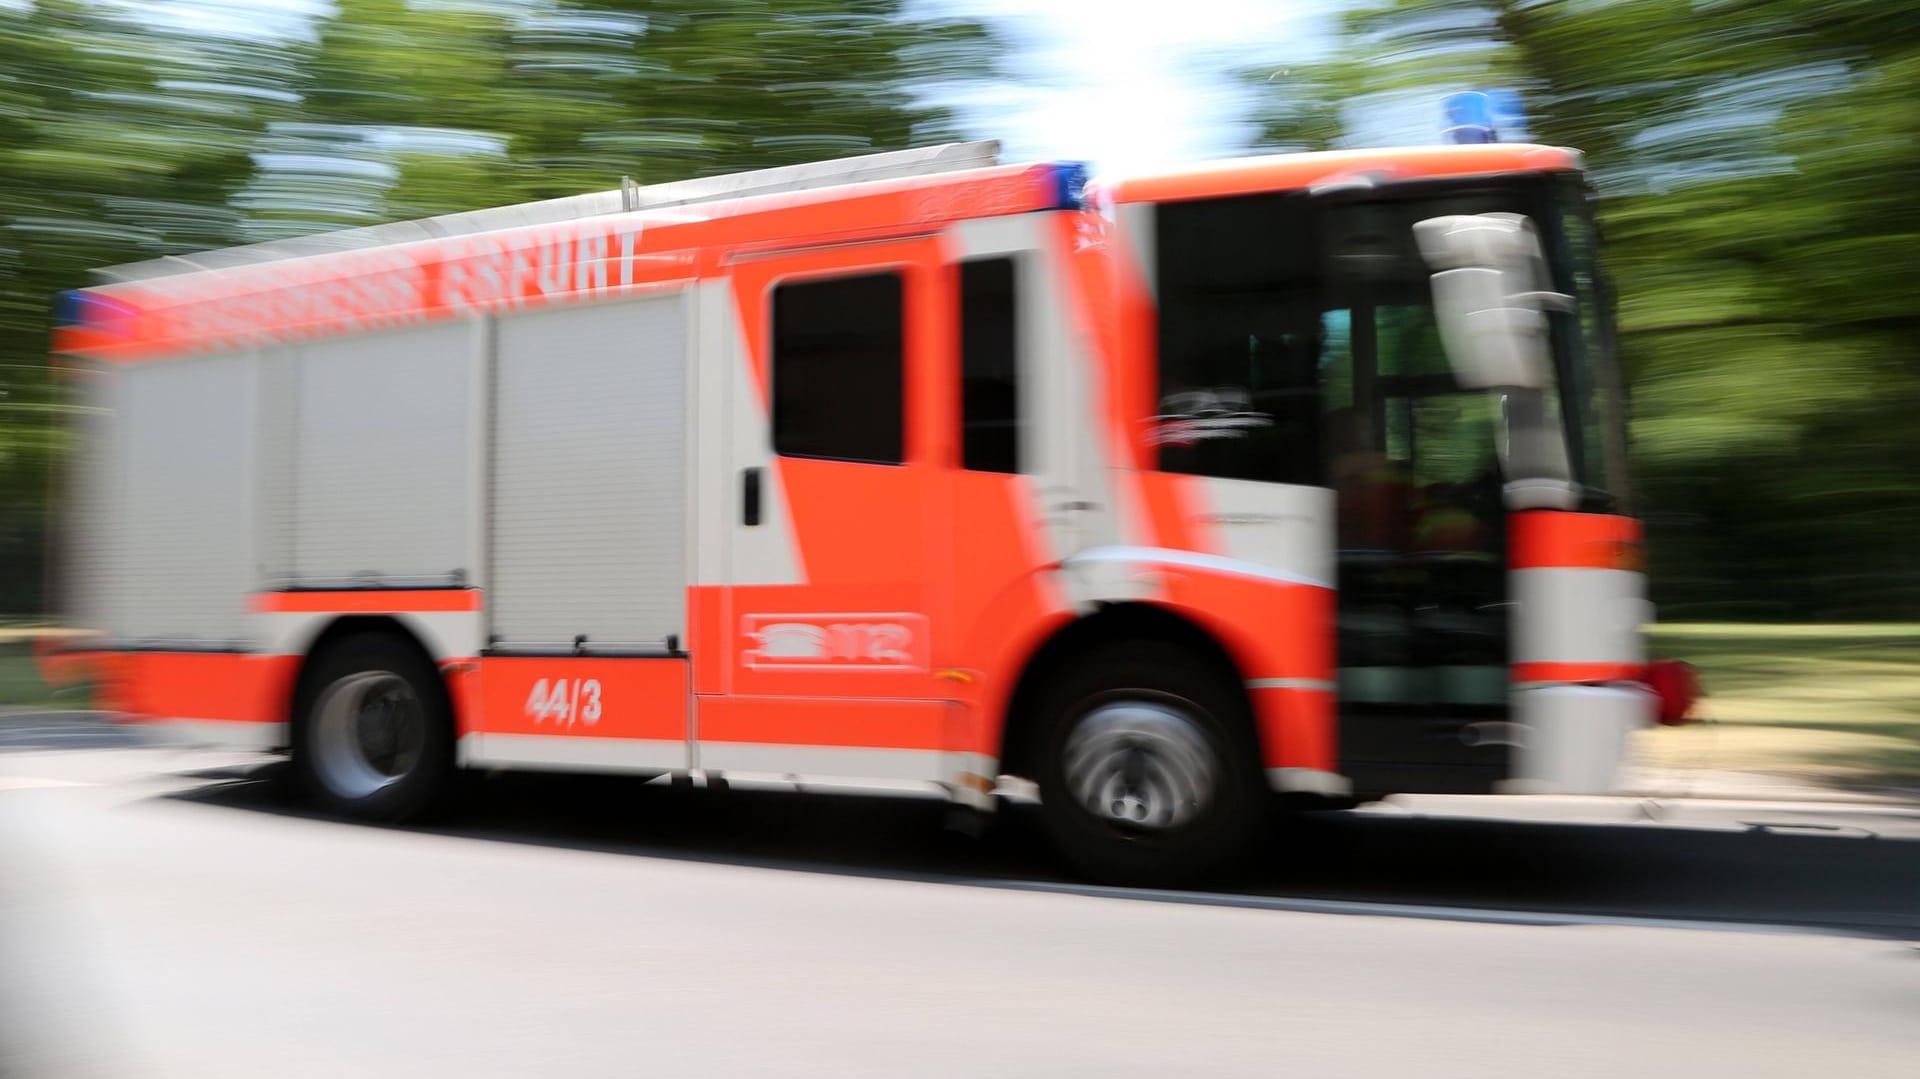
(21, 687)
(1837, 704)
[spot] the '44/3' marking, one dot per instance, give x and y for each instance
(565, 702)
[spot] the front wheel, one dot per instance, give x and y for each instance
(1149, 771)
(373, 729)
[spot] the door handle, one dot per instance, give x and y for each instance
(750, 496)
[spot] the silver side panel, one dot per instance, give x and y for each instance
(185, 445)
(588, 504)
(382, 457)
(276, 422)
(90, 544)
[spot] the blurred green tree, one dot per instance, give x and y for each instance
(398, 117)
(1751, 160)
(118, 140)
(555, 97)
(127, 132)
(701, 88)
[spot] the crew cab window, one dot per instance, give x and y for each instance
(838, 386)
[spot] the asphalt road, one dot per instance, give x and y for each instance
(169, 913)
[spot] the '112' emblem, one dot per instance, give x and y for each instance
(835, 642)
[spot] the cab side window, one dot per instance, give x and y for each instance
(989, 366)
(1241, 341)
(838, 386)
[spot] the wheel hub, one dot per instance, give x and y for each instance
(1146, 766)
(369, 732)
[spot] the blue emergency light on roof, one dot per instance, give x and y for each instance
(1480, 116)
(81, 308)
(1069, 186)
(67, 308)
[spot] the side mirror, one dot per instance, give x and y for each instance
(1489, 298)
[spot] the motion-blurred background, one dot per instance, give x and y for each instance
(1755, 163)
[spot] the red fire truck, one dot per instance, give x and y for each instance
(1297, 474)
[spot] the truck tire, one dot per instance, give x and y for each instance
(373, 729)
(1149, 772)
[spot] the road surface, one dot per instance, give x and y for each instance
(168, 913)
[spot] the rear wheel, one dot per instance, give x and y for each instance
(1149, 772)
(374, 729)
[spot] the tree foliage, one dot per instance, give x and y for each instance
(126, 133)
(1753, 164)
(1752, 158)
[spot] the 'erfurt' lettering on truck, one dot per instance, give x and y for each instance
(364, 291)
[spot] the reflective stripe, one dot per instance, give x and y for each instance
(1308, 781)
(916, 764)
(1538, 675)
(445, 634)
(1546, 539)
(1581, 616)
(571, 753)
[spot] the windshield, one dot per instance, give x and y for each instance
(1295, 330)
(1588, 371)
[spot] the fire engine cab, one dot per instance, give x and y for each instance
(1299, 474)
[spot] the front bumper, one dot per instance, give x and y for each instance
(1572, 739)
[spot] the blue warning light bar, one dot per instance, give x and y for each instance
(1481, 116)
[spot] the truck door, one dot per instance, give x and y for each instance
(1023, 404)
(838, 528)
(1423, 605)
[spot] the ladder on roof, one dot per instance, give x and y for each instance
(626, 198)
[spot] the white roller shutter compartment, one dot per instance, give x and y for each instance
(382, 457)
(588, 505)
(183, 534)
(89, 543)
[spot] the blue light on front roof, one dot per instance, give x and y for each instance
(1469, 118)
(1481, 116)
(1069, 186)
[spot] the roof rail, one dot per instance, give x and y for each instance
(627, 197)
